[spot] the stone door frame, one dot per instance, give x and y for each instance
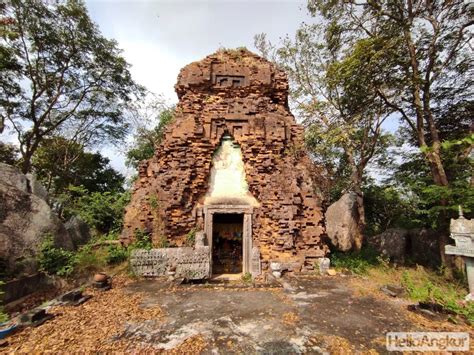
(247, 211)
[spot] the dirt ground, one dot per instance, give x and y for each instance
(307, 315)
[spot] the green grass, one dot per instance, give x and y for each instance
(357, 262)
(3, 315)
(421, 284)
(425, 286)
(247, 277)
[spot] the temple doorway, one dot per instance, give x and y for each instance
(227, 243)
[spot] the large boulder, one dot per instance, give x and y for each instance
(36, 188)
(342, 223)
(12, 176)
(78, 231)
(424, 247)
(393, 243)
(420, 246)
(25, 220)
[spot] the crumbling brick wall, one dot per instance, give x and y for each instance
(241, 94)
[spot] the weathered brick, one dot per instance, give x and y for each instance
(238, 93)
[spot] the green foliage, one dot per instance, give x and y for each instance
(191, 237)
(88, 259)
(386, 207)
(146, 140)
(116, 254)
(357, 262)
(247, 277)
(102, 211)
(73, 80)
(53, 260)
(416, 70)
(153, 202)
(413, 178)
(3, 315)
(424, 287)
(143, 241)
(8, 153)
(59, 163)
(162, 242)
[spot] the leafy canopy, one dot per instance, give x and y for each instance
(59, 163)
(60, 76)
(146, 140)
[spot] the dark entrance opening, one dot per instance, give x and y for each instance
(227, 232)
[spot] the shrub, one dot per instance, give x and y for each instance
(116, 254)
(162, 242)
(88, 259)
(53, 260)
(357, 262)
(422, 286)
(102, 211)
(3, 315)
(190, 238)
(247, 277)
(142, 241)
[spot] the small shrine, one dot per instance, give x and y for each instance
(462, 231)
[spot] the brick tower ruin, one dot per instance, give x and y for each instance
(232, 165)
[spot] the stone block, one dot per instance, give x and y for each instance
(186, 262)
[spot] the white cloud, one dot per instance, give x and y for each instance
(160, 37)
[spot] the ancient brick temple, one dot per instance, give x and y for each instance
(231, 165)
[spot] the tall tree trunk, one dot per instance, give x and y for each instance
(436, 167)
(422, 107)
(26, 162)
(356, 182)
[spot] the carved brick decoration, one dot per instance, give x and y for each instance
(239, 94)
(186, 262)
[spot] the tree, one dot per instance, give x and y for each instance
(8, 153)
(339, 107)
(430, 69)
(102, 211)
(60, 163)
(427, 70)
(147, 139)
(9, 87)
(64, 77)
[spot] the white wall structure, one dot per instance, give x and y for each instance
(228, 184)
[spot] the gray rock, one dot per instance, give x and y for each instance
(424, 247)
(25, 220)
(275, 266)
(392, 290)
(392, 243)
(34, 317)
(78, 231)
(342, 220)
(323, 265)
(26, 183)
(186, 262)
(13, 176)
(36, 188)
